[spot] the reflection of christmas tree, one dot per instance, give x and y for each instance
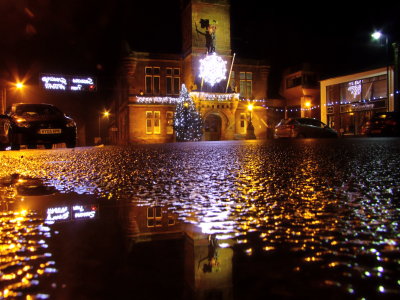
(187, 123)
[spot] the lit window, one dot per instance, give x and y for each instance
(157, 126)
(154, 216)
(170, 122)
(148, 84)
(149, 122)
(152, 80)
(246, 84)
(169, 85)
(153, 122)
(173, 81)
(156, 85)
(177, 85)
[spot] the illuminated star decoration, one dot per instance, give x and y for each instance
(212, 69)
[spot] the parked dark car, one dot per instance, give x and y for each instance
(5, 132)
(303, 128)
(383, 124)
(45, 124)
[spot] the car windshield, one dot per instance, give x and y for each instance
(34, 110)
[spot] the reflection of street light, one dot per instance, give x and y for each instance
(250, 128)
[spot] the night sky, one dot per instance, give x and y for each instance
(86, 37)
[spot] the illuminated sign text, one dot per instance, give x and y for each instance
(68, 83)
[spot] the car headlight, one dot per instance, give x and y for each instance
(21, 122)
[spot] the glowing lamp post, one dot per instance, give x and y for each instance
(18, 86)
(377, 35)
(104, 114)
(307, 108)
(250, 128)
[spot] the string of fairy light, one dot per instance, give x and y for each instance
(213, 69)
(228, 97)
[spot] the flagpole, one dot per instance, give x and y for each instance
(230, 72)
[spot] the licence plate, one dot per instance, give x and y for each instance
(50, 131)
(376, 131)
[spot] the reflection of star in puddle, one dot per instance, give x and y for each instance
(196, 196)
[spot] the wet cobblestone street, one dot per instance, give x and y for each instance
(275, 219)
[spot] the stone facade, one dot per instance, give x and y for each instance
(149, 84)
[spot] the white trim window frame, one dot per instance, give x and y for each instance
(149, 122)
(157, 122)
(152, 80)
(246, 84)
(170, 122)
(153, 122)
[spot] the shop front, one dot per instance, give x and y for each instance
(348, 102)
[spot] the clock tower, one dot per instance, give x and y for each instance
(206, 29)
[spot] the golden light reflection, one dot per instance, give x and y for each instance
(269, 197)
(22, 258)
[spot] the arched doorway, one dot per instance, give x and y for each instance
(212, 127)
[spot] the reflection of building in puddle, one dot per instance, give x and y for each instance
(208, 267)
(19, 193)
(200, 262)
(27, 208)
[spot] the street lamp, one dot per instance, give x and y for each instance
(307, 108)
(104, 114)
(250, 128)
(18, 86)
(377, 35)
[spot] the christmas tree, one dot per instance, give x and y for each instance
(187, 122)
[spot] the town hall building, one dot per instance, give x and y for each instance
(149, 84)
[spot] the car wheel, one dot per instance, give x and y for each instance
(2, 147)
(31, 146)
(48, 145)
(15, 146)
